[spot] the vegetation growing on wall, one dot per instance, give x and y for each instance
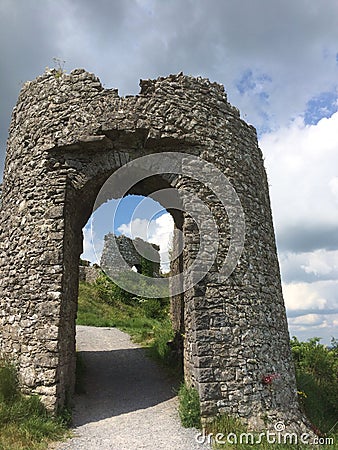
(147, 267)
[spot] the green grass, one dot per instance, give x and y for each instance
(134, 317)
(189, 407)
(130, 318)
(317, 377)
(24, 422)
(316, 403)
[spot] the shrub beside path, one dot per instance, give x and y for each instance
(130, 403)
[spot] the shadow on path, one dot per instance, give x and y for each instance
(130, 402)
(118, 382)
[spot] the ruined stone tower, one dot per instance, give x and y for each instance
(68, 135)
(132, 251)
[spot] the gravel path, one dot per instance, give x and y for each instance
(129, 404)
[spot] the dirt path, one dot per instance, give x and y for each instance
(129, 404)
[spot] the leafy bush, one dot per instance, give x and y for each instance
(152, 308)
(147, 267)
(160, 349)
(163, 333)
(317, 376)
(110, 293)
(189, 407)
(105, 289)
(315, 358)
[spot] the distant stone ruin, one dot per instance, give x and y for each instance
(87, 272)
(133, 251)
(68, 135)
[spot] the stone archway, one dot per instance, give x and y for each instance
(67, 136)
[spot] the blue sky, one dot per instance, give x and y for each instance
(278, 61)
(134, 216)
(323, 105)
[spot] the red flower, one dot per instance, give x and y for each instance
(268, 379)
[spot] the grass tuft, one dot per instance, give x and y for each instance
(8, 382)
(189, 407)
(24, 421)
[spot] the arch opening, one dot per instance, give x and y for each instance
(80, 204)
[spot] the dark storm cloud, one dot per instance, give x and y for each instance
(28, 42)
(304, 312)
(293, 273)
(305, 238)
(290, 43)
(32, 33)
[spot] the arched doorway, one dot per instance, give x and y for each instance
(80, 204)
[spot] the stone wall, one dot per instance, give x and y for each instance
(67, 136)
(89, 274)
(132, 251)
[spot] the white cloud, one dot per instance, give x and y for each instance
(309, 266)
(301, 162)
(158, 231)
(303, 296)
(92, 245)
(135, 228)
(322, 262)
(308, 320)
(333, 184)
(314, 325)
